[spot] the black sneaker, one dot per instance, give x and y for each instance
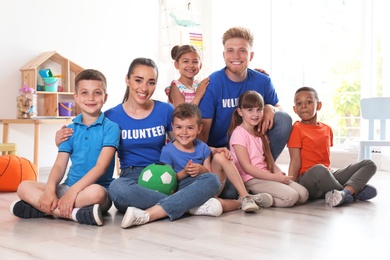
(91, 215)
(22, 209)
(367, 193)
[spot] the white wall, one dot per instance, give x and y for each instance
(107, 35)
(101, 34)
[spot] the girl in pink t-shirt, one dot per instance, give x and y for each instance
(252, 155)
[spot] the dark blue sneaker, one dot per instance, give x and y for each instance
(22, 209)
(336, 198)
(367, 193)
(91, 215)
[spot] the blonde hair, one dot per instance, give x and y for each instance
(238, 32)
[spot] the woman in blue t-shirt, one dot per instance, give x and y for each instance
(144, 124)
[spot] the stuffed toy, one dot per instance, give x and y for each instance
(159, 177)
(14, 170)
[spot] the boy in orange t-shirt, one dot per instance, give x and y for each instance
(309, 148)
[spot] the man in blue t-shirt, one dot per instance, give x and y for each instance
(226, 86)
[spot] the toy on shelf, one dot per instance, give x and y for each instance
(26, 102)
(62, 73)
(65, 108)
(50, 81)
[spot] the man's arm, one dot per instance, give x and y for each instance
(269, 116)
(204, 134)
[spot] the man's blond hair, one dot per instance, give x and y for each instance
(238, 32)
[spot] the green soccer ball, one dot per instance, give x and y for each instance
(159, 177)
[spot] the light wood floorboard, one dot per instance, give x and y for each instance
(310, 231)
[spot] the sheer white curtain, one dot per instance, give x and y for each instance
(335, 46)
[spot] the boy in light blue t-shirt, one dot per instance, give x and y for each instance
(83, 195)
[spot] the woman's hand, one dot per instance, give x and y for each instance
(63, 134)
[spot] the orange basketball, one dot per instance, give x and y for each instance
(14, 170)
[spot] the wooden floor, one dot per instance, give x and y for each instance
(310, 231)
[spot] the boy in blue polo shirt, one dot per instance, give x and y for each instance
(83, 196)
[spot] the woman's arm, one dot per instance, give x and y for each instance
(63, 135)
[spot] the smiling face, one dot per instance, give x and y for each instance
(90, 96)
(237, 54)
(188, 65)
(185, 131)
(251, 117)
(142, 83)
(306, 106)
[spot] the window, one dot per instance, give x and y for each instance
(335, 46)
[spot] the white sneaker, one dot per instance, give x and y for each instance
(134, 216)
(212, 208)
(263, 200)
(248, 204)
(336, 198)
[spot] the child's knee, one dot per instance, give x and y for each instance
(219, 158)
(97, 194)
(24, 189)
(369, 165)
(318, 170)
(303, 196)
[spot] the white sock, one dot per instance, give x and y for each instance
(74, 212)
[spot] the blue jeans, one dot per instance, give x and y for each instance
(191, 192)
(278, 137)
(280, 133)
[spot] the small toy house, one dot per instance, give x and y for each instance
(66, 71)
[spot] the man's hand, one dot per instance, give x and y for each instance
(268, 119)
(262, 71)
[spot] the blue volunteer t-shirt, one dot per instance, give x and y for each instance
(141, 140)
(221, 98)
(85, 145)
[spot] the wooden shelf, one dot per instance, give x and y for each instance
(48, 101)
(37, 123)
